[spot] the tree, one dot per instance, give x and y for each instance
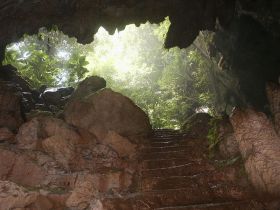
(48, 58)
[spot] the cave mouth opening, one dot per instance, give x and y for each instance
(169, 85)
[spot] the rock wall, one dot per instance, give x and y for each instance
(63, 165)
(273, 94)
(259, 145)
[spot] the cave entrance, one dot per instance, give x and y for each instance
(169, 85)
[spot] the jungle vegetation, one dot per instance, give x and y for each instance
(169, 85)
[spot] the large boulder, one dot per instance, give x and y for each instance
(10, 106)
(259, 145)
(105, 111)
(197, 126)
(88, 86)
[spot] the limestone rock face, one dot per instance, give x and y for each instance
(10, 111)
(273, 95)
(197, 125)
(88, 86)
(260, 148)
(106, 111)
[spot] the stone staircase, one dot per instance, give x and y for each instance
(176, 174)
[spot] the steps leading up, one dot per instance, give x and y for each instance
(176, 174)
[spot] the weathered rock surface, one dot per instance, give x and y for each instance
(106, 111)
(13, 196)
(83, 194)
(260, 148)
(273, 95)
(61, 149)
(10, 111)
(197, 125)
(88, 86)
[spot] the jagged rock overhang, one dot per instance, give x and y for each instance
(82, 18)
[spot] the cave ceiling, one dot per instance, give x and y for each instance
(82, 19)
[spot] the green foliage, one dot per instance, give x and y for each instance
(48, 58)
(213, 137)
(170, 85)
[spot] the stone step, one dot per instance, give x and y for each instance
(165, 163)
(166, 148)
(188, 169)
(166, 143)
(184, 153)
(162, 139)
(241, 205)
(178, 197)
(202, 180)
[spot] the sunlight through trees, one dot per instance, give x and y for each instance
(170, 85)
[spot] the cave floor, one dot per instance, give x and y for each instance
(176, 173)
